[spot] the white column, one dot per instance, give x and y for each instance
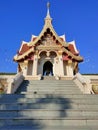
(70, 69)
(25, 71)
(54, 67)
(61, 67)
(32, 67)
(35, 64)
(24, 66)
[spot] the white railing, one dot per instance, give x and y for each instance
(83, 83)
(14, 83)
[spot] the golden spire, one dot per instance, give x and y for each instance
(48, 4)
(48, 11)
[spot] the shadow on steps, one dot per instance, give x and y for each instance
(19, 119)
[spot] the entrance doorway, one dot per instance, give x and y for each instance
(48, 69)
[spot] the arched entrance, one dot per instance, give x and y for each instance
(48, 69)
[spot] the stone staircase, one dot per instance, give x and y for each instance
(48, 105)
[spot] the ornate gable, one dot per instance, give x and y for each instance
(47, 32)
(48, 40)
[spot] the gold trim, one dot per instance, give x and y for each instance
(48, 47)
(78, 58)
(46, 26)
(19, 57)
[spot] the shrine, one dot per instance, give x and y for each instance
(48, 54)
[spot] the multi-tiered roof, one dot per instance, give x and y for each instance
(41, 42)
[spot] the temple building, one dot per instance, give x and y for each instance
(48, 54)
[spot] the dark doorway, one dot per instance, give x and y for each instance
(48, 69)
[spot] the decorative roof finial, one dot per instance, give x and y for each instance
(48, 4)
(48, 12)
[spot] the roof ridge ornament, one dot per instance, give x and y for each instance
(48, 18)
(48, 10)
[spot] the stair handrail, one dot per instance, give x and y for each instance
(14, 83)
(83, 83)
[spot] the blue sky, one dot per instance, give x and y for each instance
(77, 19)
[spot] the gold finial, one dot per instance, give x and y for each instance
(48, 12)
(48, 5)
(48, 17)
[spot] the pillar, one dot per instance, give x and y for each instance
(61, 67)
(35, 65)
(24, 66)
(70, 68)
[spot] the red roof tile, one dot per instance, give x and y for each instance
(72, 49)
(65, 57)
(24, 48)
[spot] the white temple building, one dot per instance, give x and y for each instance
(48, 54)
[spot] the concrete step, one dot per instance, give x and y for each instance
(51, 88)
(52, 92)
(48, 91)
(39, 127)
(58, 123)
(49, 114)
(51, 85)
(56, 100)
(50, 82)
(17, 96)
(48, 88)
(71, 106)
(48, 78)
(70, 80)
